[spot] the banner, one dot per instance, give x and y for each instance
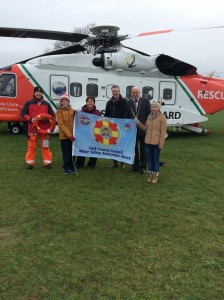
(97, 136)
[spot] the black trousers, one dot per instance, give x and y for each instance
(66, 148)
(140, 157)
(80, 161)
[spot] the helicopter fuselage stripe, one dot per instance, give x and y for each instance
(191, 97)
(37, 84)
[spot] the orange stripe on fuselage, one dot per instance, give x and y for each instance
(208, 92)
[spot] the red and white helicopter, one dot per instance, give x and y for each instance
(187, 96)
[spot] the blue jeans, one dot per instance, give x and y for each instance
(152, 156)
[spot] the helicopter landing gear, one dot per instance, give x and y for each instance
(197, 129)
(16, 128)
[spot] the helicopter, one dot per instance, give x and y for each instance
(98, 61)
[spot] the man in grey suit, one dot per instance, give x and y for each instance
(140, 108)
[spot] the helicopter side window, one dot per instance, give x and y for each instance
(7, 85)
(76, 89)
(92, 89)
(128, 91)
(167, 94)
(147, 93)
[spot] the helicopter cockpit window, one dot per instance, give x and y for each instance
(128, 91)
(167, 94)
(147, 93)
(92, 89)
(8, 85)
(76, 89)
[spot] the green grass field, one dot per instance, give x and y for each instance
(106, 233)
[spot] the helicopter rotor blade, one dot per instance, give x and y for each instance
(68, 50)
(172, 30)
(154, 32)
(42, 34)
(140, 52)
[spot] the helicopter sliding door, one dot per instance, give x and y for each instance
(167, 92)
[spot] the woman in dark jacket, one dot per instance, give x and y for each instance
(90, 108)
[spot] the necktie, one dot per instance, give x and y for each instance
(136, 104)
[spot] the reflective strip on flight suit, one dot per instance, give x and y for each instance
(31, 151)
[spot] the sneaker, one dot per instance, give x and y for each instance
(65, 172)
(73, 171)
(30, 167)
(142, 170)
(49, 166)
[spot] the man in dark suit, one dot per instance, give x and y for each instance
(140, 108)
(116, 108)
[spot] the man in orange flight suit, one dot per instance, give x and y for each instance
(31, 109)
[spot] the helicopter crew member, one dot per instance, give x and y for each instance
(139, 108)
(155, 128)
(116, 108)
(29, 112)
(90, 108)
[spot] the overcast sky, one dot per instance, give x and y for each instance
(202, 48)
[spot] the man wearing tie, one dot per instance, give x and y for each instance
(140, 108)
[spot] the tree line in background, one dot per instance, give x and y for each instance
(64, 44)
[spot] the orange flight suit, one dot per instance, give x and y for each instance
(31, 151)
(31, 109)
